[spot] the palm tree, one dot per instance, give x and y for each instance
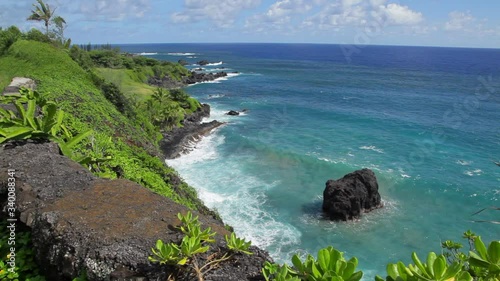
(42, 12)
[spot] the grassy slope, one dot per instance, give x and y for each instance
(63, 80)
(128, 81)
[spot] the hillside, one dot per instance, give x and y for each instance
(130, 141)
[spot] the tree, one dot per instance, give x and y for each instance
(42, 12)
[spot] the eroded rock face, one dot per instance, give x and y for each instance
(106, 227)
(348, 197)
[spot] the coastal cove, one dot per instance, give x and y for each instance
(407, 113)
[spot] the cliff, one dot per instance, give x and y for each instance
(103, 218)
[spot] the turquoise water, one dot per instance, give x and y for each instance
(426, 120)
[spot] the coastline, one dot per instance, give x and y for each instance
(179, 141)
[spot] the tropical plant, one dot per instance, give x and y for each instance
(480, 264)
(8, 37)
(329, 265)
(46, 126)
(42, 12)
(195, 243)
(238, 245)
(485, 262)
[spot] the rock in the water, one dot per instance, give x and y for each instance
(346, 198)
(203, 62)
(233, 113)
(182, 62)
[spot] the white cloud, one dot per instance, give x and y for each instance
(351, 13)
(114, 10)
(401, 15)
(459, 21)
(278, 14)
(220, 12)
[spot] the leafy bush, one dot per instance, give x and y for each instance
(36, 35)
(46, 126)
(8, 37)
(481, 263)
(195, 242)
(25, 268)
(81, 57)
(329, 265)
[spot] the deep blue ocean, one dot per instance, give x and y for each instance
(425, 119)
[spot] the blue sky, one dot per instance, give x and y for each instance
(387, 22)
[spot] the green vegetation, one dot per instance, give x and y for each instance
(329, 265)
(47, 126)
(196, 242)
(42, 12)
(25, 266)
(133, 149)
(481, 263)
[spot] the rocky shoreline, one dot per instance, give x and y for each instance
(195, 77)
(181, 140)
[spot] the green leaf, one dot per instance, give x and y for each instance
(480, 248)
(297, 263)
(439, 267)
(392, 270)
(30, 114)
(452, 271)
(494, 252)
(417, 262)
(78, 138)
(17, 132)
(314, 270)
(356, 276)
(182, 261)
(476, 260)
(349, 270)
(431, 258)
(22, 112)
(57, 126)
(49, 120)
(464, 276)
(324, 259)
(66, 151)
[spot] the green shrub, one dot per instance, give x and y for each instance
(25, 266)
(195, 242)
(47, 126)
(36, 35)
(8, 37)
(329, 265)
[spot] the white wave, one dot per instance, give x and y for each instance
(350, 98)
(181, 54)
(403, 174)
(372, 147)
(215, 63)
(218, 80)
(229, 75)
(147, 54)
(191, 57)
(205, 82)
(336, 161)
(205, 149)
(216, 96)
(472, 173)
(242, 202)
(463, 162)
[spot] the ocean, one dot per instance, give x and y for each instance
(424, 119)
